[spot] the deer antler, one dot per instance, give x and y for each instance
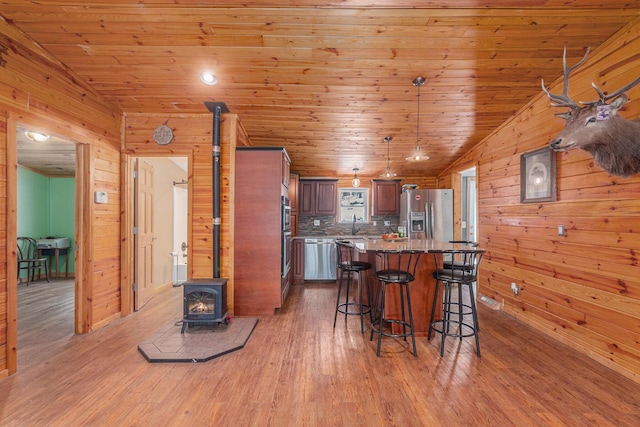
(604, 98)
(564, 100)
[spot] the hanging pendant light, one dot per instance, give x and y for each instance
(355, 182)
(387, 172)
(418, 154)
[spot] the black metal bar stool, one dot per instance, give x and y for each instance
(399, 268)
(347, 265)
(456, 268)
(458, 263)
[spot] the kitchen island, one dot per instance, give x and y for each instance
(424, 285)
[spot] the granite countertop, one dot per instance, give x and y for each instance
(404, 244)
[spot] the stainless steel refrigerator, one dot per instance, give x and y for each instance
(427, 214)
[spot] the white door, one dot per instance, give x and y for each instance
(143, 211)
(471, 209)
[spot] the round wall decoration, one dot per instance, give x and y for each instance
(163, 135)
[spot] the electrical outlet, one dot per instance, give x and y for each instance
(515, 289)
(375, 223)
(316, 222)
(387, 223)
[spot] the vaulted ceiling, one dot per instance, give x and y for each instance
(328, 80)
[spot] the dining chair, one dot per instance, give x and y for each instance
(29, 259)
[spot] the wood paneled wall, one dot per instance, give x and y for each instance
(38, 92)
(193, 138)
(8, 306)
(583, 288)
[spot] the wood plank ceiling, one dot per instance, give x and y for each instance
(328, 79)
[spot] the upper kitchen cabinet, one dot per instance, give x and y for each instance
(286, 171)
(317, 197)
(293, 201)
(293, 191)
(385, 197)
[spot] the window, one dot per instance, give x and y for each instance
(353, 201)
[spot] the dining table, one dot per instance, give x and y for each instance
(422, 288)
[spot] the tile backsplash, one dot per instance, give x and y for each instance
(330, 227)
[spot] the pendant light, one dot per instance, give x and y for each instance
(418, 154)
(387, 172)
(355, 182)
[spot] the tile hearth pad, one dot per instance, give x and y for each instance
(198, 343)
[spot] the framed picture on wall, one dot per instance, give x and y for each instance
(538, 176)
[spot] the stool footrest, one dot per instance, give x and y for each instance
(467, 312)
(409, 332)
(344, 308)
(439, 326)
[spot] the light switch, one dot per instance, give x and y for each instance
(100, 197)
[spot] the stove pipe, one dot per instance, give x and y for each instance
(217, 108)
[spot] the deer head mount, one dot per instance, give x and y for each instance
(595, 126)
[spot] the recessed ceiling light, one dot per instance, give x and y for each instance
(208, 78)
(36, 137)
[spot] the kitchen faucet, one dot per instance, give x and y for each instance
(354, 230)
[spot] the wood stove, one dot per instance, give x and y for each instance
(205, 302)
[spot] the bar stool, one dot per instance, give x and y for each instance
(347, 266)
(449, 274)
(398, 267)
(458, 263)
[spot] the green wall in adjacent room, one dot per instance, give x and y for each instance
(33, 204)
(46, 207)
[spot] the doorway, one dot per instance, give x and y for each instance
(46, 198)
(469, 211)
(166, 258)
(179, 224)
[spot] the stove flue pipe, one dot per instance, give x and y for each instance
(217, 108)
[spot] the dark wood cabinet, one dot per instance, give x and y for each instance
(318, 197)
(293, 200)
(259, 287)
(298, 261)
(385, 197)
(293, 191)
(286, 169)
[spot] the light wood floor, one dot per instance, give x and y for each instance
(296, 370)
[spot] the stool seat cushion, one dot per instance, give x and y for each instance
(395, 276)
(457, 264)
(354, 265)
(458, 276)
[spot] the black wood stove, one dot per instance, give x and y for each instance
(205, 302)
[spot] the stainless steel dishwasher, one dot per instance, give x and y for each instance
(320, 259)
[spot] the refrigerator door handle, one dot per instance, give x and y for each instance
(431, 219)
(428, 231)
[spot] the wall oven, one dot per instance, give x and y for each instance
(286, 214)
(286, 252)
